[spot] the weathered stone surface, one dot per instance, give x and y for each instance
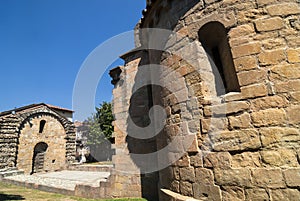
(274, 43)
(268, 178)
(187, 174)
(293, 55)
(213, 124)
(285, 194)
(235, 140)
(251, 77)
(283, 9)
(269, 117)
(233, 177)
(226, 108)
(242, 30)
(255, 90)
(207, 192)
(293, 114)
(186, 188)
(290, 71)
(268, 102)
(280, 157)
(292, 177)
(245, 63)
(217, 160)
(287, 86)
(232, 193)
(246, 49)
(204, 176)
(240, 121)
(277, 136)
(269, 24)
(246, 160)
(257, 194)
(196, 160)
(271, 57)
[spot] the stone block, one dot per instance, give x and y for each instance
(269, 24)
(279, 136)
(186, 188)
(251, 77)
(287, 86)
(285, 194)
(293, 41)
(293, 55)
(213, 124)
(246, 160)
(232, 193)
(217, 160)
(292, 177)
(268, 178)
(268, 102)
(246, 49)
(265, 2)
(269, 117)
(293, 114)
(204, 176)
(196, 160)
(295, 96)
(271, 57)
(253, 91)
(242, 30)
(274, 43)
(233, 177)
(283, 9)
(187, 174)
(226, 108)
(207, 192)
(280, 157)
(289, 71)
(235, 140)
(240, 121)
(245, 63)
(257, 194)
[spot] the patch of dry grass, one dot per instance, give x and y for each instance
(15, 193)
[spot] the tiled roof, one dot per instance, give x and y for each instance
(32, 106)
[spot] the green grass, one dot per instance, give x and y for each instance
(15, 193)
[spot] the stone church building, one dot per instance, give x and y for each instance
(218, 83)
(37, 138)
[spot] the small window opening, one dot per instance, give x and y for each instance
(42, 125)
(213, 37)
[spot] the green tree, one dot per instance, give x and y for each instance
(100, 124)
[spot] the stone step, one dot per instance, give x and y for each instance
(91, 168)
(10, 172)
(64, 182)
(7, 169)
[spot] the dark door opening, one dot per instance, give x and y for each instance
(38, 157)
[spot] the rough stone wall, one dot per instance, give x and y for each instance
(125, 181)
(53, 135)
(20, 133)
(246, 144)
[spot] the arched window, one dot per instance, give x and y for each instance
(42, 125)
(213, 37)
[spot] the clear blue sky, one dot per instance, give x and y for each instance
(43, 44)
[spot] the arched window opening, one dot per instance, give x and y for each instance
(213, 37)
(42, 125)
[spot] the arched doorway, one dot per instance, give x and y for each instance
(38, 157)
